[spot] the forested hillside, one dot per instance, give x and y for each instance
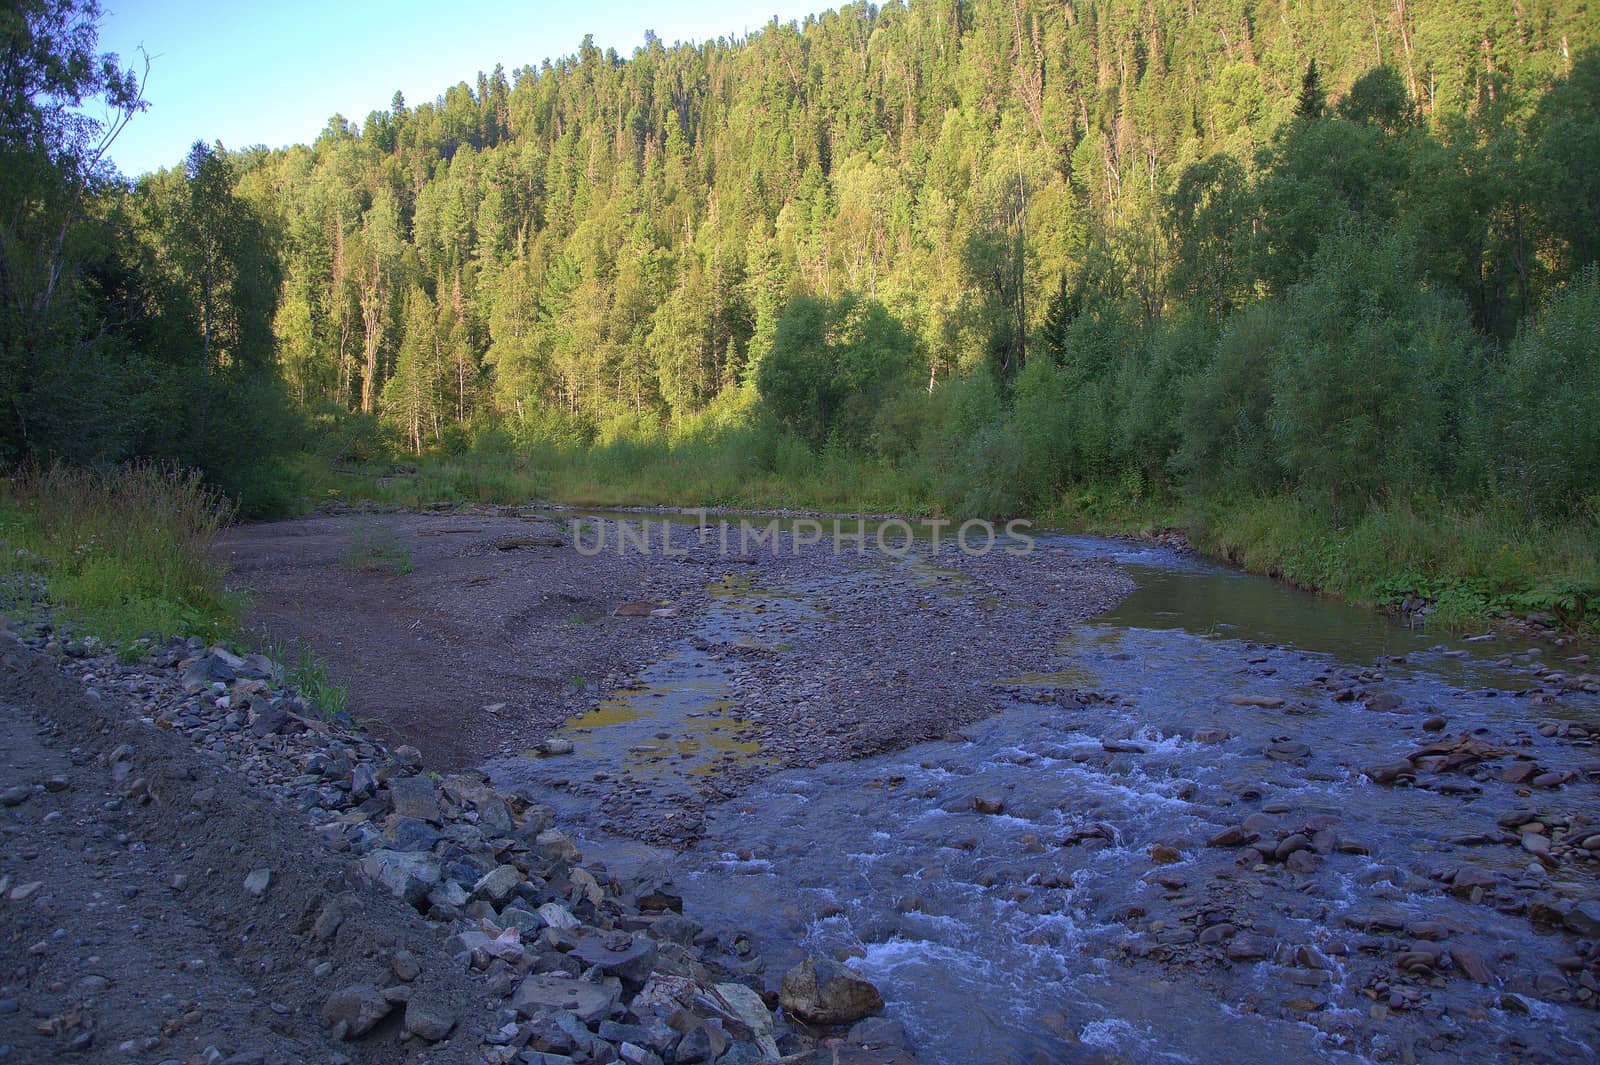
(965, 256)
(600, 236)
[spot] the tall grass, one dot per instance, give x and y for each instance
(1471, 563)
(120, 553)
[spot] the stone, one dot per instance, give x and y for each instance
(1390, 772)
(1583, 918)
(542, 992)
(1234, 836)
(16, 795)
(1263, 702)
(405, 965)
(553, 843)
(498, 885)
(986, 805)
(748, 1009)
(1249, 947)
(357, 1008)
(1471, 964)
(24, 892)
(556, 745)
(1288, 751)
(269, 721)
(822, 992)
(1435, 723)
(415, 797)
(875, 1032)
(1302, 862)
(1384, 703)
(557, 916)
(363, 782)
(406, 874)
(255, 885)
(1212, 735)
(428, 1020)
(638, 608)
(627, 957)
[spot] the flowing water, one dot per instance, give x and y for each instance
(1084, 914)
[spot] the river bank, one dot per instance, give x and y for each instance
(1295, 825)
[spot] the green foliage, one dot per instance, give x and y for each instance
(122, 553)
(1540, 411)
(833, 365)
(1365, 373)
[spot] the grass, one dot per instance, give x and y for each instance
(120, 554)
(1472, 564)
(376, 550)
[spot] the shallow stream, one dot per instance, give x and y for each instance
(1083, 914)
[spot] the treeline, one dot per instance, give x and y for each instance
(601, 238)
(135, 320)
(1008, 246)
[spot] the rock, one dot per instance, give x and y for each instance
(1436, 723)
(269, 720)
(1264, 702)
(415, 797)
(555, 745)
(822, 992)
(357, 1008)
(405, 965)
(553, 843)
(363, 782)
(634, 1054)
(542, 992)
(24, 892)
(986, 805)
(1250, 947)
(876, 1032)
(557, 916)
(1468, 876)
(1287, 751)
(1212, 735)
(16, 795)
(208, 670)
(428, 1020)
(1390, 772)
(1471, 964)
(748, 1009)
(1583, 918)
(408, 874)
(1384, 703)
(1234, 836)
(407, 757)
(498, 885)
(627, 957)
(638, 608)
(255, 885)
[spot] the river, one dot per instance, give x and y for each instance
(1041, 888)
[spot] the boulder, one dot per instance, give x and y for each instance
(428, 1020)
(543, 992)
(357, 1008)
(628, 957)
(407, 874)
(821, 992)
(415, 797)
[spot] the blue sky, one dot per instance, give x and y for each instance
(250, 72)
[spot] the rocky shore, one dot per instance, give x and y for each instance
(199, 868)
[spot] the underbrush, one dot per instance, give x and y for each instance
(119, 553)
(1471, 564)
